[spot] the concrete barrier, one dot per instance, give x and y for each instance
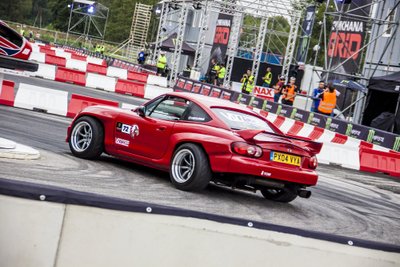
(26, 244)
(44, 71)
(95, 60)
(100, 81)
(43, 99)
(39, 233)
(347, 157)
(61, 53)
(38, 57)
(76, 64)
(157, 80)
(152, 91)
(117, 72)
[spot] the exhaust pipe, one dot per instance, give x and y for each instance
(304, 193)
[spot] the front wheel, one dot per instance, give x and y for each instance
(190, 169)
(285, 195)
(86, 140)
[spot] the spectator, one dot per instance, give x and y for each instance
(315, 94)
(247, 82)
(267, 78)
(161, 64)
(289, 93)
(328, 101)
(278, 88)
(221, 74)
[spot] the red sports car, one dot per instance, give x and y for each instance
(199, 139)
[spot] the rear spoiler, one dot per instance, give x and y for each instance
(304, 142)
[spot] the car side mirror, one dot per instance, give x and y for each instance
(141, 111)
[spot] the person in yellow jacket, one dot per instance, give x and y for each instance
(102, 49)
(247, 82)
(221, 74)
(328, 101)
(289, 92)
(161, 64)
(267, 78)
(216, 69)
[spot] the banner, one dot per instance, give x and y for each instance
(264, 92)
(221, 37)
(347, 37)
(306, 31)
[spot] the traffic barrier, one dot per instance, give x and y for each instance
(339, 154)
(100, 69)
(157, 80)
(130, 88)
(296, 127)
(62, 53)
(72, 76)
(41, 99)
(54, 60)
(95, 60)
(306, 130)
(7, 93)
(101, 82)
(47, 51)
(279, 121)
(128, 106)
(327, 136)
(287, 125)
(38, 57)
(137, 76)
(78, 57)
(339, 138)
(79, 102)
(44, 71)
(316, 133)
(117, 72)
(379, 161)
(76, 64)
(152, 91)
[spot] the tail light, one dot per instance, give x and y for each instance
(247, 150)
(313, 163)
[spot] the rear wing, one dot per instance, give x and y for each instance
(304, 142)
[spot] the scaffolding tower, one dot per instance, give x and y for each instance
(138, 34)
(238, 9)
(342, 12)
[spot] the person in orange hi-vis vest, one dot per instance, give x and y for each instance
(290, 92)
(328, 101)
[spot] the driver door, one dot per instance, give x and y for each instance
(149, 135)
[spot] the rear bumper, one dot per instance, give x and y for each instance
(271, 170)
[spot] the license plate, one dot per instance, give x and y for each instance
(285, 158)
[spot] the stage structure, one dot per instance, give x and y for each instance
(358, 29)
(88, 19)
(138, 34)
(228, 29)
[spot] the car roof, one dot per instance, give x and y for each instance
(211, 101)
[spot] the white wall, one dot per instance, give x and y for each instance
(34, 233)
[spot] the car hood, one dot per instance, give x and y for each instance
(299, 145)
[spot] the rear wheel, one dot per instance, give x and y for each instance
(86, 139)
(190, 169)
(285, 195)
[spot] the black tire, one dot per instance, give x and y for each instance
(284, 195)
(198, 178)
(95, 146)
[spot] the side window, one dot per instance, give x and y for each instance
(150, 107)
(171, 108)
(197, 114)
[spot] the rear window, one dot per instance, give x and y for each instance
(241, 121)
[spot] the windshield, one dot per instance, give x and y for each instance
(237, 120)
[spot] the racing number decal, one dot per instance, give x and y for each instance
(126, 129)
(132, 130)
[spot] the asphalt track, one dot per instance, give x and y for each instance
(345, 202)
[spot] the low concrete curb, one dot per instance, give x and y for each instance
(12, 150)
